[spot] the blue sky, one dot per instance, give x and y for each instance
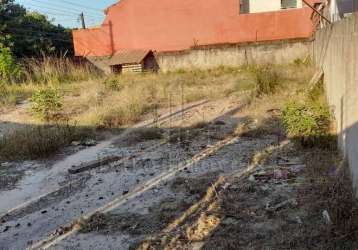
(66, 12)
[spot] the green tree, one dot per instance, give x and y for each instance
(31, 34)
(9, 70)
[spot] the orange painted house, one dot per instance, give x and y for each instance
(174, 25)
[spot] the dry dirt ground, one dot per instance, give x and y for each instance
(204, 185)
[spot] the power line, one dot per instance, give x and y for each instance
(77, 9)
(49, 8)
(60, 12)
(52, 13)
(82, 6)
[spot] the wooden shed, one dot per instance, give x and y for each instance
(133, 61)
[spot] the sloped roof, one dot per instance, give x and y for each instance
(128, 57)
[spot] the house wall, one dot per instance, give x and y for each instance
(175, 25)
(228, 55)
(92, 42)
(205, 58)
(335, 50)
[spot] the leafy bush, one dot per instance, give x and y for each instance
(267, 80)
(309, 122)
(112, 83)
(46, 103)
(9, 70)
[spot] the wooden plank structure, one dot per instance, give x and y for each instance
(133, 61)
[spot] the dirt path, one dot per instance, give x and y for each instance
(43, 178)
(15, 118)
(48, 197)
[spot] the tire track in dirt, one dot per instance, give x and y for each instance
(73, 227)
(73, 159)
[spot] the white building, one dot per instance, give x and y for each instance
(257, 6)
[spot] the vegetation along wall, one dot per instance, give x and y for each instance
(335, 50)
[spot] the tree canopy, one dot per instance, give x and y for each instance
(31, 34)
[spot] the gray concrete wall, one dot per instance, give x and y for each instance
(225, 55)
(204, 58)
(335, 49)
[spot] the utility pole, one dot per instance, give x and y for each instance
(82, 17)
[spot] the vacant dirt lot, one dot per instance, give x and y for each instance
(212, 174)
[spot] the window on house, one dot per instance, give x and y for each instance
(244, 6)
(288, 4)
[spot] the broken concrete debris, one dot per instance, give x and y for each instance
(220, 122)
(281, 174)
(326, 217)
(272, 208)
(6, 164)
(252, 178)
(6, 229)
(93, 164)
(286, 161)
(86, 143)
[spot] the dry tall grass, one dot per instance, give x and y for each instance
(116, 102)
(57, 70)
(36, 141)
(124, 99)
(37, 73)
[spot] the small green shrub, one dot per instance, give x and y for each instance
(112, 83)
(46, 103)
(298, 62)
(302, 62)
(267, 80)
(309, 122)
(9, 69)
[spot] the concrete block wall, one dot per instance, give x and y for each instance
(335, 49)
(205, 58)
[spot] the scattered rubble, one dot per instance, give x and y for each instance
(326, 217)
(93, 164)
(86, 143)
